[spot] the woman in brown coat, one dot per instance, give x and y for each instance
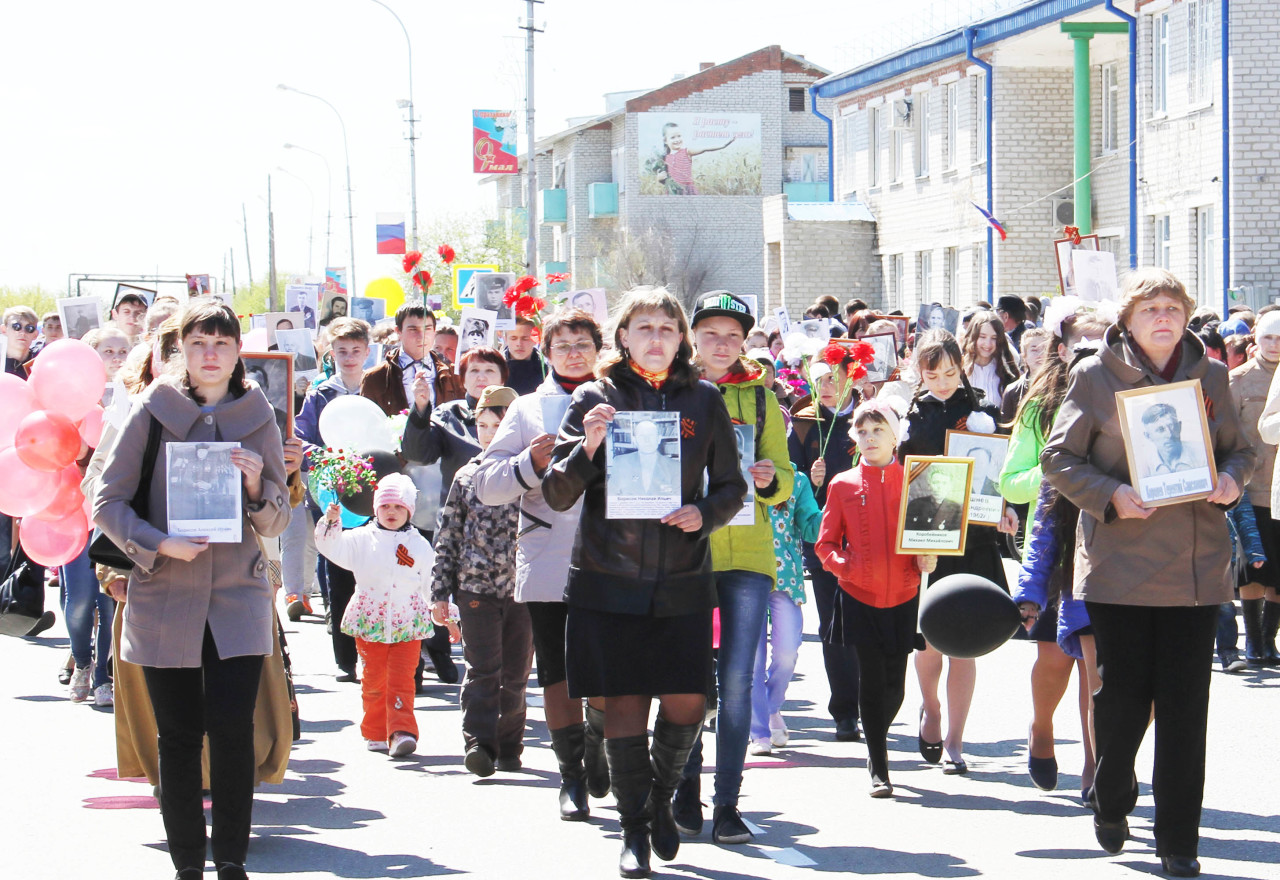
(199, 616)
(1151, 577)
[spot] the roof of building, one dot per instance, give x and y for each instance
(829, 211)
(984, 32)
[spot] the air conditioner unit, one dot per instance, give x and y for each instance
(1064, 213)
(900, 115)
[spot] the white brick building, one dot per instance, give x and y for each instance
(718, 236)
(910, 137)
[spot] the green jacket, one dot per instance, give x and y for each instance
(1021, 476)
(750, 548)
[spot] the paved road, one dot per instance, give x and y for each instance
(344, 812)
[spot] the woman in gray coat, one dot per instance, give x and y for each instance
(199, 616)
(1151, 577)
(512, 469)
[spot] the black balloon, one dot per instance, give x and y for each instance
(361, 502)
(964, 615)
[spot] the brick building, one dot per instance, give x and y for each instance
(911, 133)
(597, 207)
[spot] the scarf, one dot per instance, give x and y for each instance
(569, 385)
(655, 379)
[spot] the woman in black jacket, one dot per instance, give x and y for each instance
(641, 591)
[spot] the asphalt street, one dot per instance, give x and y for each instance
(346, 812)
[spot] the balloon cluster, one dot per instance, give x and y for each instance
(44, 423)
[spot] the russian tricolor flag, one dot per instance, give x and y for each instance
(992, 221)
(391, 233)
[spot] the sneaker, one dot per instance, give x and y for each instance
(778, 733)
(479, 761)
(760, 747)
(1232, 661)
(296, 605)
(376, 745)
(403, 744)
(81, 684)
(104, 696)
(727, 826)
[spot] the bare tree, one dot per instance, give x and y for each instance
(650, 256)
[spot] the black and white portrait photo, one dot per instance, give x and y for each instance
(368, 308)
(335, 306)
(1167, 441)
(79, 315)
(203, 491)
(746, 435)
(490, 288)
(935, 505)
(301, 344)
(935, 316)
(642, 465)
(273, 372)
(476, 329)
(302, 298)
(591, 300)
(278, 321)
(886, 359)
(988, 452)
(817, 329)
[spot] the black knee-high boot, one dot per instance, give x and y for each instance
(593, 759)
(631, 777)
(1254, 653)
(670, 751)
(1270, 628)
(567, 743)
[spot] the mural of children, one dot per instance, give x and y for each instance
(678, 160)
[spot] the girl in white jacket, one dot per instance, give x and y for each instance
(389, 614)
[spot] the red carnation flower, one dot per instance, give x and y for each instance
(862, 352)
(557, 277)
(509, 298)
(833, 354)
(526, 284)
(857, 371)
(422, 279)
(446, 253)
(411, 260)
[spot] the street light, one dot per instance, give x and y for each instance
(413, 162)
(351, 228)
(310, 216)
(328, 198)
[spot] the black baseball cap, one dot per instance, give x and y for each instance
(723, 304)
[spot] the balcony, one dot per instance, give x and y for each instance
(602, 200)
(553, 206)
(807, 191)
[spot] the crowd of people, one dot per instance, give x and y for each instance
(762, 470)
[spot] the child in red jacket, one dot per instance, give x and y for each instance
(880, 589)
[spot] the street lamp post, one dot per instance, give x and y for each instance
(311, 227)
(413, 163)
(351, 228)
(328, 197)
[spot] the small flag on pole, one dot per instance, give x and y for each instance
(992, 221)
(391, 233)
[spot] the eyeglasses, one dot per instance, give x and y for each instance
(564, 348)
(19, 327)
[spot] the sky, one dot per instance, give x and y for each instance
(131, 133)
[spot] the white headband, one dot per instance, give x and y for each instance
(1267, 325)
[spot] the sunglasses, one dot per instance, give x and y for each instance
(19, 327)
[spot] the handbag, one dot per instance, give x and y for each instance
(21, 595)
(102, 550)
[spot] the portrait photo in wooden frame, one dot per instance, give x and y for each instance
(1167, 442)
(934, 516)
(1062, 249)
(273, 372)
(988, 452)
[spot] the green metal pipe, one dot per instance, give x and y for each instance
(1083, 136)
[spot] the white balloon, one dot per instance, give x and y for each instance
(356, 424)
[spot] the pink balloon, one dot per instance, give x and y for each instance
(17, 401)
(67, 498)
(24, 491)
(54, 543)
(47, 441)
(68, 377)
(255, 340)
(91, 426)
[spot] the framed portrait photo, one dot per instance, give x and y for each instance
(1062, 249)
(901, 325)
(1167, 443)
(886, 360)
(935, 505)
(987, 452)
(79, 315)
(477, 329)
(273, 372)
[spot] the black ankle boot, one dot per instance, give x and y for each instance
(1254, 653)
(1270, 628)
(567, 743)
(671, 746)
(631, 777)
(593, 758)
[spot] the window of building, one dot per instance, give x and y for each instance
(617, 157)
(1110, 96)
(1200, 51)
(895, 280)
(979, 103)
(1160, 63)
(795, 100)
(873, 145)
(921, 110)
(951, 147)
(951, 275)
(1163, 240)
(847, 135)
(897, 147)
(980, 252)
(1207, 256)
(925, 267)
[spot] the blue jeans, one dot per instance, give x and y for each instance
(782, 640)
(83, 597)
(1228, 631)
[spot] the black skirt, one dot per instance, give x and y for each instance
(616, 655)
(890, 631)
(1269, 574)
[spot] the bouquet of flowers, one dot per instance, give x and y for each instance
(346, 473)
(520, 299)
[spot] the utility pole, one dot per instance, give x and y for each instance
(248, 261)
(233, 274)
(531, 210)
(273, 296)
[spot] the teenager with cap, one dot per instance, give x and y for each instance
(389, 614)
(129, 313)
(476, 565)
(741, 557)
